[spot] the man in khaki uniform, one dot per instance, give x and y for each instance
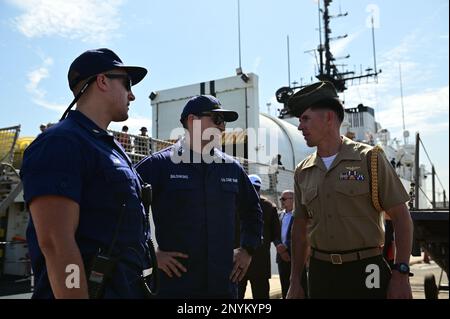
(334, 214)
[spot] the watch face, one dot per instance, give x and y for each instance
(403, 268)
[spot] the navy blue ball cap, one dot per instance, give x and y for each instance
(93, 62)
(207, 103)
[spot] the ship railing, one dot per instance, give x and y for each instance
(417, 187)
(10, 184)
(138, 147)
(8, 139)
(274, 180)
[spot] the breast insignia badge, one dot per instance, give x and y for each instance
(351, 174)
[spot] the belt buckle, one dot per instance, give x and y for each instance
(336, 259)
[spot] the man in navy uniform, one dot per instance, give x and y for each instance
(82, 191)
(199, 195)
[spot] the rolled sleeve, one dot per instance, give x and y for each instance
(52, 166)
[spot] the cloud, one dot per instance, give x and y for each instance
(38, 94)
(338, 47)
(36, 76)
(389, 62)
(426, 106)
(93, 21)
(426, 112)
(60, 108)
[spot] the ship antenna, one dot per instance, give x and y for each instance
(374, 54)
(403, 108)
(239, 33)
(320, 40)
(289, 63)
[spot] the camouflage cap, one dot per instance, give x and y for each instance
(312, 95)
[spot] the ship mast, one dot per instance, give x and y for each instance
(405, 132)
(331, 72)
(320, 49)
(327, 69)
(239, 33)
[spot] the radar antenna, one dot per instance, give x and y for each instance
(328, 70)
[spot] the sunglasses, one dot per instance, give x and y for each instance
(285, 198)
(217, 118)
(125, 77)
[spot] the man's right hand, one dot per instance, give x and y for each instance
(283, 252)
(167, 262)
(295, 291)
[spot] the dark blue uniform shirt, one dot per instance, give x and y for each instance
(78, 160)
(196, 209)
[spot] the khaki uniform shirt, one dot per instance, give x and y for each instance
(338, 201)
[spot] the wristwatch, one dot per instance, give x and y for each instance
(403, 269)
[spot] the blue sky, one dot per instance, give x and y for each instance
(184, 42)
